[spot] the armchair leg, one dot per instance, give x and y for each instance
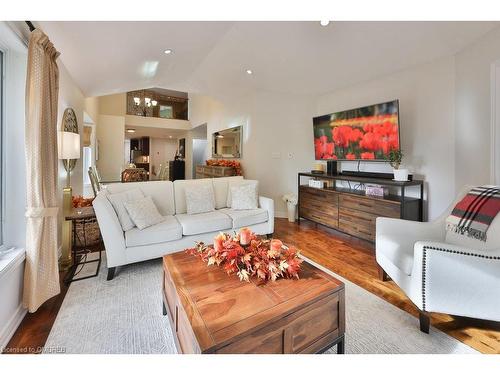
(111, 273)
(425, 321)
(382, 275)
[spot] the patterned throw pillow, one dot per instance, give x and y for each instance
(199, 199)
(244, 197)
(143, 213)
(118, 201)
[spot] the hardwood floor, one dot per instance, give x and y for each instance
(354, 260)
(34, 329)
(349, 257)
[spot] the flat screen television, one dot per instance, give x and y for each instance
(366, 133)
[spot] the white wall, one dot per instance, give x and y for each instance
(272, 123)
(473, 110)
(110, 141)
(70, 96)
(162, 151)
(278, 124)
(426, 103)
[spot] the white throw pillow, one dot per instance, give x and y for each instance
(244, 197)
(118, 200)
(253, 183)
(143, 212)
(199, 198)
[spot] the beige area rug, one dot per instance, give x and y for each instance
(124, 315)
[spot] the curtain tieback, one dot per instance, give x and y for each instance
(36, 212)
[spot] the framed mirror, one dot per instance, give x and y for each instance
(227, 143)
(69, 124)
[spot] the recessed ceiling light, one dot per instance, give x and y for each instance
(249, 71)
(167, 51)
(130, 130)
(169, 136)
(324, 23)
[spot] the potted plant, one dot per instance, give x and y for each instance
(395, 157)
(291, 203)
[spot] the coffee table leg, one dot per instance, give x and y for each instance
(341, 346)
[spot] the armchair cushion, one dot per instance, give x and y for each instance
(396, 238)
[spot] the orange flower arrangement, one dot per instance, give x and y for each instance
(226, 163)
(80, 201)
(265, 259)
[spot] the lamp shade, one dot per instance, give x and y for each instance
(68, 145)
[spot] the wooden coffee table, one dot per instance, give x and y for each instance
(212, 312)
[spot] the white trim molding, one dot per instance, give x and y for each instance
(12, 311)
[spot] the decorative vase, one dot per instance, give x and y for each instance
(291, 211)
(400, 174)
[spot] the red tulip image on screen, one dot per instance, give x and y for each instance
(367, 133)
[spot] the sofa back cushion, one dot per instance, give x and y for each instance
(180, 192)
(221, 189)
(199, 198)
(253, 183)
(162, 193)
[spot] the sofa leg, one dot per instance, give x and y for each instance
(164, 308)
(425, 321)
(269, 235)
(111, 273)
(382, 275)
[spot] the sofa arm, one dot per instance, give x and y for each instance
(268, 205)
(457, 280)
(394, 236)
(111, 230)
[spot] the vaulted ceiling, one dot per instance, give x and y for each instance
(209, 57)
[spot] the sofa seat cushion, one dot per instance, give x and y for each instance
(204, 223)
(168, 230)
(245, 218)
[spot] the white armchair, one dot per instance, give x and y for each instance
(441, 271)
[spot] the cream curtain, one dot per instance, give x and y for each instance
(41, 276)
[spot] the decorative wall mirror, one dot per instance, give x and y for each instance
(227, 143)
(69, 124)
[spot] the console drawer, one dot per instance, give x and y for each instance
(357, 230)
(374, 206)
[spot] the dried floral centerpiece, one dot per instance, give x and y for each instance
(248, 255)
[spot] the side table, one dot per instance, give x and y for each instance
(86, 239)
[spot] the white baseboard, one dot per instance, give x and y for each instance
(10, 328)
(281, 214)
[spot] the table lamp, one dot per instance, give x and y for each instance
(68, 145)
(69, 149)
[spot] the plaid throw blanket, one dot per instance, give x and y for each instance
(474, 213)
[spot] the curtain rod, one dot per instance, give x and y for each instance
(30, 25)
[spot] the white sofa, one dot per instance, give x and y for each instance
(179, 230)
(441, 271)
